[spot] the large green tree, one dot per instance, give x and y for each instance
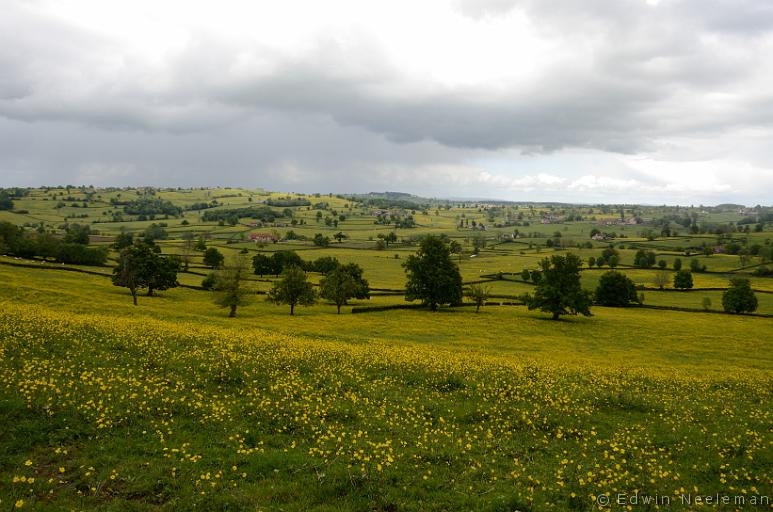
(262, 264)
(213, 258)
(739, 298)
(615, 289)
(293, 289)
(644, 258)
(683, 280)
(161, 273)
(324, 265)
(361, 285)
(122, 240)
(432, 277)
(338, 287)
(559, 291)
(284, 259)
(141, 265)
(131, 269)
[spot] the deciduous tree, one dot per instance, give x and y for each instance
(130, 271)
(293, 289)
(615, 289)
(213, 258)
(739, 298)
(229, 284)
(559, 291)
(683, 280)
(478, 294)
(432, 277)
(338, 287)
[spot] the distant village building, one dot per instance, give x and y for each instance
(550, 219)
(619, 222)
(264, 238)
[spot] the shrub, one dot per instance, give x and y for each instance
(209, 282)
(644, 258)
(615, 289)
(739, 298)
(683, 280)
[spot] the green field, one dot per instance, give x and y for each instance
(170, 405)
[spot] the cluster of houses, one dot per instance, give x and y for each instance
(552, 219)
(264, 238)
(619, 222)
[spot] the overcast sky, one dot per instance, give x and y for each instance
(666, 101)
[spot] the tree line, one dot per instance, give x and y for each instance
(432, 277)
(73, 247)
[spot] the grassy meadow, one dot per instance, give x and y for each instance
(171, 405)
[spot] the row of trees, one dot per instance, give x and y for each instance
(616, 289)
(278, 261)
(342, 283)
(434, 279)
(71, 248)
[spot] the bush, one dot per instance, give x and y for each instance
(559, 291)
(432, 277)
(213, 258)
(683, 280)
(763, 271)
(321, 240)
(615, 289)
(739, 298)
(324, 264)
(644, 258)
(208, 282)
(78, 254)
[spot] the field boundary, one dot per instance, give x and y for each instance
(696, 310)
(47, 266)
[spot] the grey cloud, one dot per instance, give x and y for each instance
(259, 151)
(634, 78)
(641, 62)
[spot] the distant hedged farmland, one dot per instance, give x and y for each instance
(208, 395)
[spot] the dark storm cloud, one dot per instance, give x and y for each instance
(260, 151)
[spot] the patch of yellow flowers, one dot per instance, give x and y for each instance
(416, 416)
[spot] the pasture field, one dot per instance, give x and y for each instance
(129, 411)
(170, 405)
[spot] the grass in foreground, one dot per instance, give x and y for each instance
(114, 413)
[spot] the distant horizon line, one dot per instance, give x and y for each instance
(408, 194)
